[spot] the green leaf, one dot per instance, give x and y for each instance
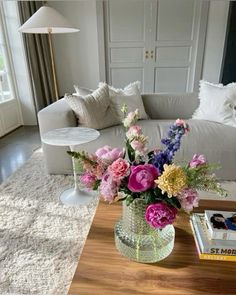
(130, 151)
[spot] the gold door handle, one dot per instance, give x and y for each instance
(146, 54)
(152, 53)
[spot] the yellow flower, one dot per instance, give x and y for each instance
(172, 181)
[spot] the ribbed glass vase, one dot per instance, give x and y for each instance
(138, 241)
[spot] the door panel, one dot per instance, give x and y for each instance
(129, 55)
(121, 76)
(175, 20)
(126, 20)
(155, 40)
(173, 79)
(173, 56)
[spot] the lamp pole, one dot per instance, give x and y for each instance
(53, 63)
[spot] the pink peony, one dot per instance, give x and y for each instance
(108, 188)
(88, 180)
(133, 131)
(142, 177)
(188, 199)
(119, 169)
(160, 214)
(197, 160)
(109, 154)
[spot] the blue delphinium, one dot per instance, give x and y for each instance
(172, 143)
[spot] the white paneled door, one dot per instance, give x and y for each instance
(159, 42)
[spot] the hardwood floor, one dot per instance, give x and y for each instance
(16, 148)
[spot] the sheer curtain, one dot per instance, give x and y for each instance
(38, 58)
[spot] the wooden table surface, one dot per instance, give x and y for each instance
(103, 270)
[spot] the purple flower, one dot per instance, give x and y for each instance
(160, 214)
(197, 160)
(188, 199)
(172, 143)
(142, 177)
(107, 153)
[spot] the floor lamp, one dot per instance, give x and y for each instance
(47, 20)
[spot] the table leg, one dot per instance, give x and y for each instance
(75, 196)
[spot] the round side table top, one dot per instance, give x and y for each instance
(70, 136)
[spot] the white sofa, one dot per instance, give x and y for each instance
(216, 141)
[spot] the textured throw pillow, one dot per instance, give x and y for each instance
(217, 103)
(130, 96)
(82, 90)
(93, 110)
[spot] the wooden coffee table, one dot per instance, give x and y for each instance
(103, 270)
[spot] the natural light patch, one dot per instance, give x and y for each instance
(39, 237)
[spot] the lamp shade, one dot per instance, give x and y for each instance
(46, 20)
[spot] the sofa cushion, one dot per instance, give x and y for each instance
(161, 106)
(82, 91)
(216, 141)
(217, 103)
(93, 110)
(131, 96)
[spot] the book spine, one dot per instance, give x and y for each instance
(195, 237)
(212, 247)
(205, 256)
(217, 257)
(194, 224)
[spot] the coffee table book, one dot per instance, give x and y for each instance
(210, 249)
(225, 230)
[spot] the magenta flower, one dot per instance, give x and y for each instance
(142, 177)
(108, 188)
(88, 180)
(188, 199)
(119, 169)
(160, 214)
(197, 160)
(109, 154)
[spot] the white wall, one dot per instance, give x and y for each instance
(76, 54)
(215, 39)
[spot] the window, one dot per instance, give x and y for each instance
(6, 85)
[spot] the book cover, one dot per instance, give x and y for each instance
(221, 224)
(206, 256)
(207, 245)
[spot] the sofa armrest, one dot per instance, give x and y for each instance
(57, 115)
(54, 116)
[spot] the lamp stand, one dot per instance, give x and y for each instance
(53, 64)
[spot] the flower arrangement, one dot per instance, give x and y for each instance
(135, 172)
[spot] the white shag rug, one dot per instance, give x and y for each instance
(40, 239)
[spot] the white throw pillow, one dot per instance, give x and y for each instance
(82, 90)
(131, 96)
(94, 110)
(217, 103)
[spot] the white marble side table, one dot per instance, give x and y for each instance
(72, 136)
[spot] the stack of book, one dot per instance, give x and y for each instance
(215, 234)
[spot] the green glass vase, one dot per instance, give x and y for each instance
(137, 240)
